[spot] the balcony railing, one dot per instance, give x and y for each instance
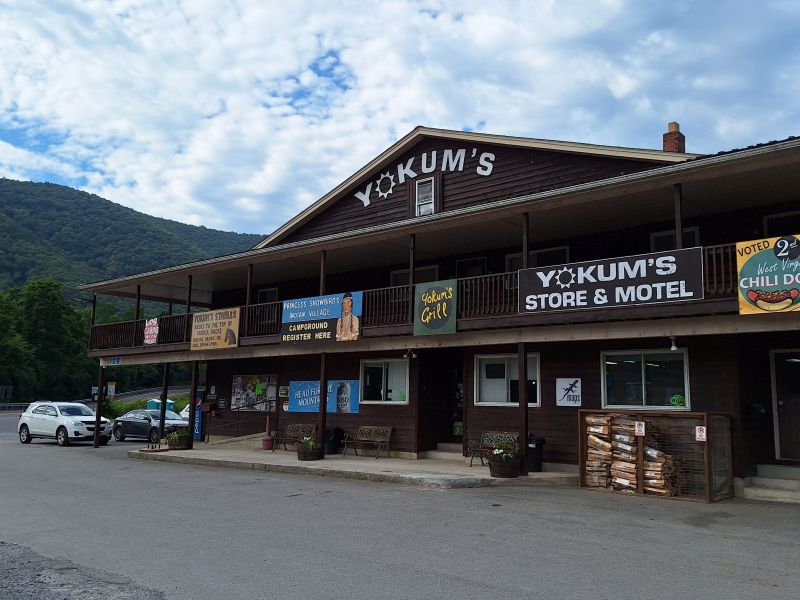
(482, 296)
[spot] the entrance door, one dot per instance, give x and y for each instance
(786, 398)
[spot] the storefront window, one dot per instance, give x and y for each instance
(497, 380)
(646, 380)
(384, 381)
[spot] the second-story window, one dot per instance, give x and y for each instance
(425, 198)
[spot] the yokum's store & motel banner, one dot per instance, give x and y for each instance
(655, 278)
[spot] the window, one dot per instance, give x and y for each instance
(384, 381)
(646, 379)
(661, 241)
(421, 275)
(265, 295)
(787, 223)
(424, 198)
(497, 380)
(471, 267)
(50, 411)
(40, 410)
(558, 255)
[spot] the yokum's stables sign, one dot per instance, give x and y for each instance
(435, 306)
(331, 318)
(659, 277)
(215, 329)
(769, 275)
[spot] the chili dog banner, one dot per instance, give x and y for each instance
(655, 278)
(769, 275)
(331, 318)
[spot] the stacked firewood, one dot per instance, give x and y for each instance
(625, 446)
(660, 474)
(598, 451)
(612, 458)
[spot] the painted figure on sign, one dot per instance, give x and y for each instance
(230, 337)
(343, 397)
(347, 326)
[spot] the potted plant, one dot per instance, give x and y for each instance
(179, 439)
(504, 459)
(307, 448)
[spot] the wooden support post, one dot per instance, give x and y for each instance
(193, 401)
(525, 241)
(323, 402)
(248, 295)
(323, 257)
(412, 247)
(187, 331)
(677, 194)
(138, 302)
(522, 357)
(94, 308)
(99, 408)
(164, 393)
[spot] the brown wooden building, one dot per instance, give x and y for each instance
(477, 208)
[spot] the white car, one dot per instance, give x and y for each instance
(63, 421)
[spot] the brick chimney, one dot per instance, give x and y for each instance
(674, 140)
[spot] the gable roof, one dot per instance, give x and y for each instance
(658, 157)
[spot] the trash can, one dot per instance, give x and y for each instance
(333, 439)
(534, 453)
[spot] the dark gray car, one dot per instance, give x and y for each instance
(143, 423)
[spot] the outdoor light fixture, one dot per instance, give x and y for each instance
(673, 347)
(409, 354)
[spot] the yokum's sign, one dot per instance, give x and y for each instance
(443, 161)
(659, 277)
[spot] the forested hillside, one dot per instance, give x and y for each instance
(49, 230)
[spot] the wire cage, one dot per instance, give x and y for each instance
(670, 454)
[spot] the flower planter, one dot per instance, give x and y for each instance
(505, 469)
(182, 444)
(306, 452)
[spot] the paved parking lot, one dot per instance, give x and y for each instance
(198, 533)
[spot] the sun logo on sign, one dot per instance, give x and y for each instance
(565, 277)
(381, 193)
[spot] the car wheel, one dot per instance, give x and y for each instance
(119, 435)
(62, 437)
(24, 435)
(104, 440)
(153, 435)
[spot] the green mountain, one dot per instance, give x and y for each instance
(54, 231)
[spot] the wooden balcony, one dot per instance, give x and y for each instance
(484, 298)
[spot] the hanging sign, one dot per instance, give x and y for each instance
(769, 275)
(435, 307)
(700, 433)
(331, 318)
(342, 396)
(568, 391)
(283, 391)
(215, 329)
(655, 278)
(151, 331)
(639, 428)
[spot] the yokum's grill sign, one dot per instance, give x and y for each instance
(673, 276)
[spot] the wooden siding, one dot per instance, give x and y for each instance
(515, 172)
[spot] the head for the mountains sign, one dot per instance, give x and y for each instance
(660, 277)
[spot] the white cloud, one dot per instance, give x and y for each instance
(238, 115)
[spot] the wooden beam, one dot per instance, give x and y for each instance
(138, 301)
(187, 331)
(164, 394)
(323, 402)
(192, 400)
(525, 243)
(322, 264)
(522, 373)
(98, 410)
(412, 248)
(677, 195)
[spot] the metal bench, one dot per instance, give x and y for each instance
(293, 432)
(368, 435)
(486, 444)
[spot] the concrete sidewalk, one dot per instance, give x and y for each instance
(428, 472)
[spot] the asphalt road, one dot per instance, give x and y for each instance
(201, 533)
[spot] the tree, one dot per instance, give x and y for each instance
(17, 357)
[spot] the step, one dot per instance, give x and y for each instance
(442, 455)
(779, 471)
(771, 495)
(775, 483)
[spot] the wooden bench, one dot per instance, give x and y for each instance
(486, 444)
(292, 432)
(368, 435)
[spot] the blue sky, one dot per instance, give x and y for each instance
(236, 115)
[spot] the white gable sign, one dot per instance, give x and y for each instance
(448, 160)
